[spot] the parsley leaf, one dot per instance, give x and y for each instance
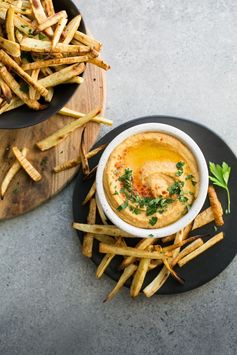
(123, 206)
(153, 220)
(221, 175)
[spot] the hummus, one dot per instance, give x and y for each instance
(151, 180)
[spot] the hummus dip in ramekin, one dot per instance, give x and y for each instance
(152, 179)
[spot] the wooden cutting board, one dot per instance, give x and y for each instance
(24, 194)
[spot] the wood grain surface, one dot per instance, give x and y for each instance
(24, 194)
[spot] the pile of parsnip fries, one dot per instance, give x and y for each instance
(149, 253)
(40, 49)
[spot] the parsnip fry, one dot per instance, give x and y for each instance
(16, 88)
(90, 194)
(205, 217)
(10, 24)
(191, 247)
(11, 173)
(40, 15)
(7, 60)
(61, 134)
(214, 240)
(104, 238)
(105, 262)
(128, 251)
(5, 91)
(15, 102)
(71, 113)
(24, 26)
(52, 20)
(74, 162)
(26, 165)
(76, 80)
(58, 31)
(83, 154)
(127, 273)
(99, 229)
(49, 7)
(87, 40)
(87, 245)
(12, 48)
(100, 63)
(101, 212)
(139, 277)
(71, 29)
(49, 97)
(62, 75)
(216, 206)
(32, 92)
(142, 245)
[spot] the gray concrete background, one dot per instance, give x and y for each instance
(175, 57)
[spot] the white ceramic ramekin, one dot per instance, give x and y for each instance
(198, 203)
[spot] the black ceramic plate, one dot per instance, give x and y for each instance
(213, 261)
(23, 116)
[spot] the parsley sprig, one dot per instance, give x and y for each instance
(221, 175)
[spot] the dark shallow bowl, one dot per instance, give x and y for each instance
(25, 117)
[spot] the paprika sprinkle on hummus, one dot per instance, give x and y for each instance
(151, 180)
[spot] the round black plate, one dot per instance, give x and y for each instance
(25, 117)
(213, 261)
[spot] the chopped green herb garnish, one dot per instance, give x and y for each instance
(191, 177)
(153, 220)
(176, 188)
(221, 175)
(180, 166)
(115, 193)
(41, 36)
(123, 206)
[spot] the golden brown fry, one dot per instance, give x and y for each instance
(106, 261)
(100, 229)
(139, 277)
(49, 8)
(90, 194)
(168, 239)
(191, 247)
(76, 80)
(180, 243)
(49, 97)
(74, 162)
(62, 75)
(203, 218)
(12, 48)
(26, 165)
(87, 40)
(38, 46)
(142, 245)
(58, 31)
(71, 29)
(40, 15)
(5, 91)
(10, 24)
(154, 264)
(24, 26)
(16, 88)
(129, 251)
(127, 273)
(19, 36)
(100, 63)
(7, 60)
(52, 20)
(101, 212)
(217, 238)
(84, 161)
(216, 206)
(71, 113)
(87, 245)
(56, 62)
(32, 92)
(11, 173)
(62, 133)
(104, 238)
(15, 102)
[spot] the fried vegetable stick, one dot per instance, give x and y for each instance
(16, 88)
(62, 75)
(187, 250)
(58, 31)
(217, 238)
(32, 92)
(100, 229)
(84, 160)
(48, 4)
(71, 29)
(74, 162)
(5, 91)
(40, 15)
(10, 24)
(139, 277)
(49, 97)
(172, 272)
(129, 251)
(15, 102)
(12, 48)
(62, 133)
(106, 261)
(205, 217)
(38, 46)
(52, 20)
(87, 40)
(216, 206)
(19, 36)
(87, 245)
(90, 194)
(7, 60)
(76, 80)
(56, 62)
(104, 238)
(26, 165)
(71, 113)
(11, 173)
(24, 26)
(142, 245)
(101, 212)
(100, 63)
(127, 273)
